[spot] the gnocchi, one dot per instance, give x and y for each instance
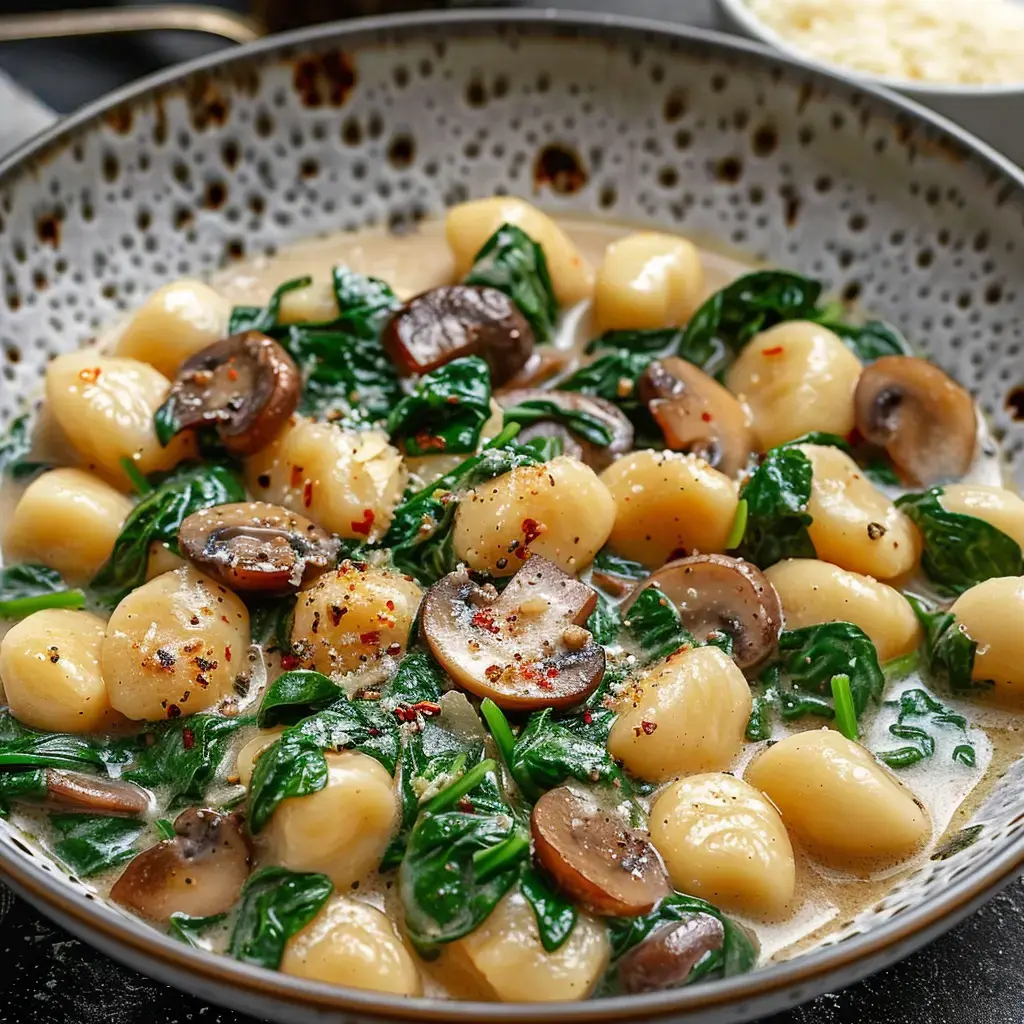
(995, 505)
(839, 801)
(40, 528)
(667, 504)
(686, 714)
(990, 612)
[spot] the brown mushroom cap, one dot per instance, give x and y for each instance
(75, 791)
(696, 414)
(594, 857)
(524, 648)
(199, 872)
(254, 546)
(245, 385)
(719, 594)
(579, 447)
(459, 320)
(667, 956)
(923, 419)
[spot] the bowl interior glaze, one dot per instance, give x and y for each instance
(386, 123)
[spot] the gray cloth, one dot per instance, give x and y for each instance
(23, 115)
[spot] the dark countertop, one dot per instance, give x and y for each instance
(973, 974)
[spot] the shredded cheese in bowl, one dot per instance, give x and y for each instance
(950, 42)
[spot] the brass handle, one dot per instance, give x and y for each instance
(180, 17)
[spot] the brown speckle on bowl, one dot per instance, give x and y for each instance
(326, 78)
(560, 168)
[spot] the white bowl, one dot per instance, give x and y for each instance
(992, 112)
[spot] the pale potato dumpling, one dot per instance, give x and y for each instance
(813, 591)
(992, 613)
(105, 405)
(839, 801)
(353, 944)
(723, 841)
(506, 955)
(353, 617)
(67, 519)
(174, 646)
(161, 559)
(316, 303)
(996, 505)
(50, 667)
(647, 280)
(346, 481)
(469, 225)
(174, 323)
(685, 714)
(796, 378)
(250, 752)
(854, 525)
(341, 830)
(559, 510)
(668, 504)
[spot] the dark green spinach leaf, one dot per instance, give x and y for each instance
(948, 648)
(89, 843)
(556, 916)
(188, 929)
(917, 704)
(870, 340)
(294, 695)
(15, 448)
(614, 377)
(270, 622)
(25, 589)
(654, 625)
(264, 318)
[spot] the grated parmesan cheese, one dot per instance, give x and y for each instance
(952, 42)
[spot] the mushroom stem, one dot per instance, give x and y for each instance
(76, 791)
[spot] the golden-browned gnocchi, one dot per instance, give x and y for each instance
(351, 943)
(796, 378)
(469, 225)
(175, 322)
(839, 801)
(353, 617)
(813, 591)
(995, 505)
(341, 830)
(104, 406)
(685, 714)
(853, 524)
(559, 510)
(722, 840)
(50, 667)
(667, 504)
(647, 280)
(174, 646)
(67, 519)
(345, 481)
(506, 956)
(992, 613)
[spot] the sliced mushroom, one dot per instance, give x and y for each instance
(923, 419)
(246, 386)
(199, 872)
(667, 956)
(696, 414)
(594, 857)
(459, 320)
(75, 791)
(253, 546)
(542, 365)
(524, 648)
(587, 450)
(719, 594)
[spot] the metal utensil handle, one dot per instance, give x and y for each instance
(213, 21)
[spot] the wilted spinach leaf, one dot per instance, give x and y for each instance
(157, 518)
(614, 377)
(264, 318)
(534, 410)
(418, 678)
(293, 695)
(870, 340)
(188, 929)
(615, 565)
(447, 410)
(270, 622)
(275, 904)
(917, 704)
(556, 916)
(14, 449)
(604, 623)
(25, 589)
(514, 263)
(654, 624)
(777, 495)
(22, 747)
(960, 551)
(948, 648)
(89, 843)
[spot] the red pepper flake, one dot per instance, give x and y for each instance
(648, 727)
(394, 649)
(372, 637)
(531, 530)
(552, 673)
(289, 661)
(523, 553)
(587, 717)
(427, 707)
(296, 475)
(336, 612)
(227, 653)
(775, 350)
(465, 805)
(307, 493)
(90, 374)
(484, 619)
(224, 618)
(232, 373)
(173, 711)
(854, 438)
(188, 738)
(428, 442)
(545, 684)
(365, 525)
(390, 605)
(706, 417)
(493, 672)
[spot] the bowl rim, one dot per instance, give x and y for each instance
(740, 11)
(804, 975)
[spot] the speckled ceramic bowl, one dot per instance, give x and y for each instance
(387, 122)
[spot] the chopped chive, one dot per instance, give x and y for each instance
(487, 863)
(164, 828)
(135, 475)
(19, 607)
(451, 795)
(739, 526)
(846, 713)
(500, 730)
